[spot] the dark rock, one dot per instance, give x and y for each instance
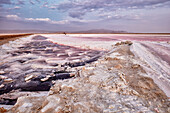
(36, 52)
(36, 86)
(60, 76)
(32, 44)
(26, 68)
(61, 71)
(41, 62)
(46, 43)
(39, 38)
(63, 47)
(76, 64)
(39, 48)
(21, 52)
(26, 52)
(4, 66)
(28, 71)
(74, 55)
(49, 51)
(7, 88)
(38, 78)
(53, 64)
(8, 101)
(14, 54)
(64, 55)
(93, 59)
(21, 60)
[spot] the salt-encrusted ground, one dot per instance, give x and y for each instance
(103, 77)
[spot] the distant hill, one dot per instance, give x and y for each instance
(100, 31)
(44, 31)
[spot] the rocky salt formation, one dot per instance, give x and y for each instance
(113, 83)
(156, 55)
(34, 63)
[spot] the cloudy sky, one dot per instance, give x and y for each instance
(75, 15)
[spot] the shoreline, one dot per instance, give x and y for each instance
(5, 38)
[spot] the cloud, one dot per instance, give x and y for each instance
(76, 14)
(2, 18)
(85, 13)
(5, 2)
(16, 18)
(31, 2)
(38, 19)
(119, 16)
(13, 17)
(20, 2)
(45, 4)
(79, 8)
(14, 8)
(2, 2)
(38, 1)
(47, 20)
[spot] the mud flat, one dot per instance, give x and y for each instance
(85, 73)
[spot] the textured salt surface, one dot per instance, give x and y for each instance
(33, 63)
(107, 85)
(38, 61)
(157, 57)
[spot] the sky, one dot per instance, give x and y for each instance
(77, 15)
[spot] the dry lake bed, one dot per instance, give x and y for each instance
(55, 73)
